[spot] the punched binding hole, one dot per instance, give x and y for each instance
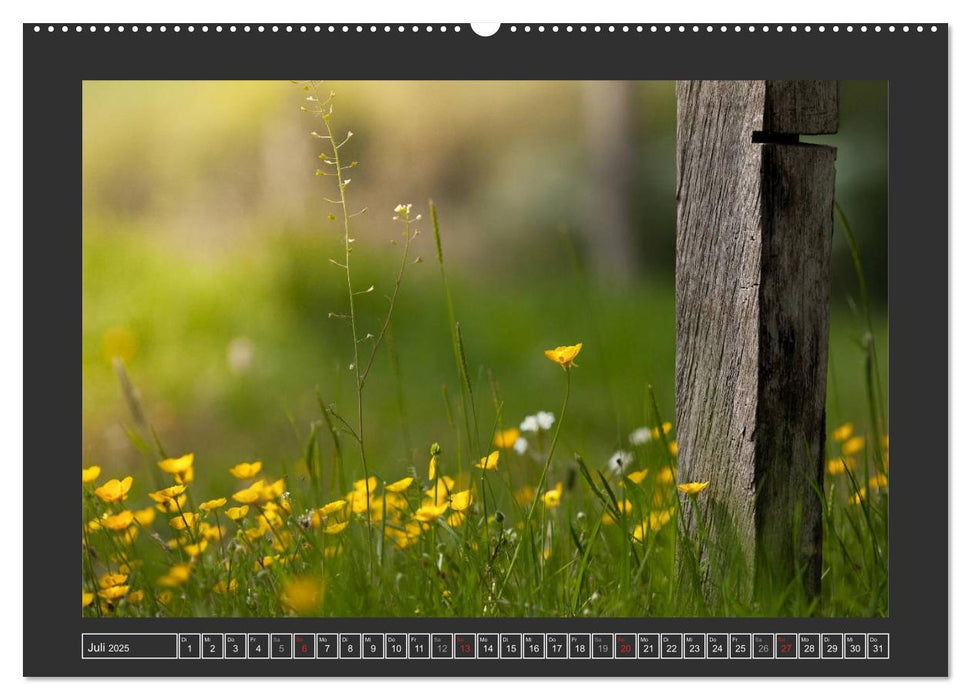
(485, 28)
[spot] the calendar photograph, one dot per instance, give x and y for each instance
(484, 349)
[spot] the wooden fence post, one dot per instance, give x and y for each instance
(755, 226)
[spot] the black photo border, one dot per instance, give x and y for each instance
(914, 61)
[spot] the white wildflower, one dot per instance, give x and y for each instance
(530, 424)
(545, 420)
(541, 421)
(619, 461)
(520, 445)
(640, 436)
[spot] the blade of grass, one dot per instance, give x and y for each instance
(467, 402)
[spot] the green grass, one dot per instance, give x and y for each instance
(279, 297)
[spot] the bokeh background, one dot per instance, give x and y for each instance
(206, 246)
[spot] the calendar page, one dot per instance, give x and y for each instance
(556, 357)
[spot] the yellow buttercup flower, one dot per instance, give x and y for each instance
(878, 481)
(673, 448)
(858, 497)
(119, 342)
(172, 505)
(659, 518)
(274, 490)
(266, 562)
(86, 599)
(183, 520)
(637, 477)
(441, 488)
(400, 485)
(145, 516)
(250, 494)
(430, 511)
(666, 476)
(246, 470)
(376, 512)
(177, 465)
(406, 536)
(211, 532)
(221, 587)
(255, 533)
(505, 439)
(195, 549)
(281, 507)
(843, 433)
(177, 575)
(90, 474)
(835, 466)
(303, 594)
(333, 507)
(214, 504)
(114, 592)
(853, 445)
(119, 521)
(136, 597)
(551, 498)
(335, 528)
(693, 487)
(395, 502)
(461, 500)
(490, 463)
(435, 451)
(237, 513)
(275, 506)
(565, 354)
(168, 494)
(271, 517)
(110, 580)
(358, 501)
(455, 519)
(363, 490)
(625, 508)
(366, 486)
(656, 519)
(114, 490)
(525, 495)
(665, 426)
(130, 535)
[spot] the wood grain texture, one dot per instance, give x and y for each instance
(801, 107)
(753, 248)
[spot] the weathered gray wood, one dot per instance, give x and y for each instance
(755, 223)
(801, 107)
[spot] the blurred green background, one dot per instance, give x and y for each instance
(206, 247)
